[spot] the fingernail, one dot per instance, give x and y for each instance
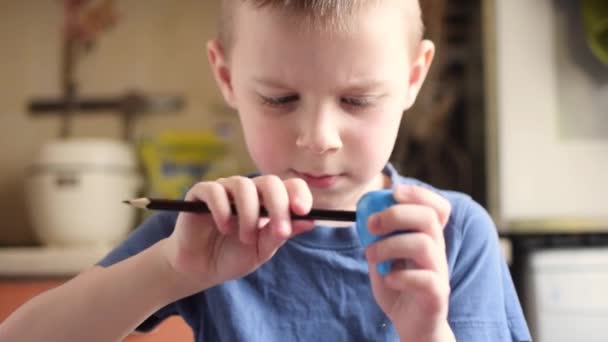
(373, 222)
(284, 228)
(300, 225)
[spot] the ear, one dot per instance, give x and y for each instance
(419, 70)
(221, 70)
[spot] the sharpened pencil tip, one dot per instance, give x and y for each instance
(141, 203)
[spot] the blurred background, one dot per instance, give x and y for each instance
(109, 100)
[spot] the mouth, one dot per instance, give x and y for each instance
(318, 180)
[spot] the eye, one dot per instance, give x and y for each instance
(278, 101)
(356, 101)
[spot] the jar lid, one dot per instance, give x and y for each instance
(88, 152)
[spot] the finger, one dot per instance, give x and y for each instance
(401, 217)
(300, 197)
(216, 198)
(270, 242)
(245, 197)
(300, 203)
(301, 226)
(262, 222)
(418, 195)
(426, 283)
(276, 201)
(297, 227)
(417, 247)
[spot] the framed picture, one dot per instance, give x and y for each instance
(548, 117)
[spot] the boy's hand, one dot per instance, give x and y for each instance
(415, 294)
(209, 249)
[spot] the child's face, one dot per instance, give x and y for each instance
(322, 106)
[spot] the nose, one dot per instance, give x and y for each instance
(319, 133)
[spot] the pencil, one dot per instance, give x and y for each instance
(201, 207)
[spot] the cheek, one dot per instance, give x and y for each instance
(374, 139)
(268, 143)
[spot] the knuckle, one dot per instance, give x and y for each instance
(302, 190)
(201, 185)
(198, 189)
(447, 207)
(214, 187)
(429, 213)
(392, 214)
(439, 289)
(275, 182)
(434, 285)
(434, 288)
(295, 183)
(266, 181)
(242, 183)
(425, 242)
(447, 212)
(431, 217)
(273, 179)
(416, 192)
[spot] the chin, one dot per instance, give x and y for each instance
(343, 198)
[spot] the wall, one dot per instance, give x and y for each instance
(158, 46)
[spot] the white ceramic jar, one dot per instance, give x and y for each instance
(75, 190)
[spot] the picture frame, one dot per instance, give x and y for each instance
(547, 164)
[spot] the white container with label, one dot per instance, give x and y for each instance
(75, 190)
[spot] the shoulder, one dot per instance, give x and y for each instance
(470, 227)
(156, 227)
(153, 229)
(478, 270)
(467, 213)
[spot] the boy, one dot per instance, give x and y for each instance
(320, 87)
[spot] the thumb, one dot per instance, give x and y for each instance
(375, 278)
(300, 226)
(270, 239)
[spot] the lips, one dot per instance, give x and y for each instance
(317, 180)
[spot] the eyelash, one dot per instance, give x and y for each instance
(279, 101)
(287, 100)
(356, 101)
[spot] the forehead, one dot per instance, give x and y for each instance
(373, 42)
(328, 16)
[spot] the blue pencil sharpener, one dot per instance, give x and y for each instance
(373, 202)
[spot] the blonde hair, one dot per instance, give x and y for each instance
(331, 15)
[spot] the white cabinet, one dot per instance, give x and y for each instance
(567, 295)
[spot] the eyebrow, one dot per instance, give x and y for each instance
(356, 85)
(270, 82)
(365, 84)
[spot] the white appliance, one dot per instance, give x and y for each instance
(567, 295)
(75, 190)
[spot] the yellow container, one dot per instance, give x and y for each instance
(174, 161)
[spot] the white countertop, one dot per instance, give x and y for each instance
(48, 261)
(69, 261)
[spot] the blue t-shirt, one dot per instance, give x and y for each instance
(316, 287)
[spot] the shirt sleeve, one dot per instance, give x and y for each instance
(483, 303)
(154, 229)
